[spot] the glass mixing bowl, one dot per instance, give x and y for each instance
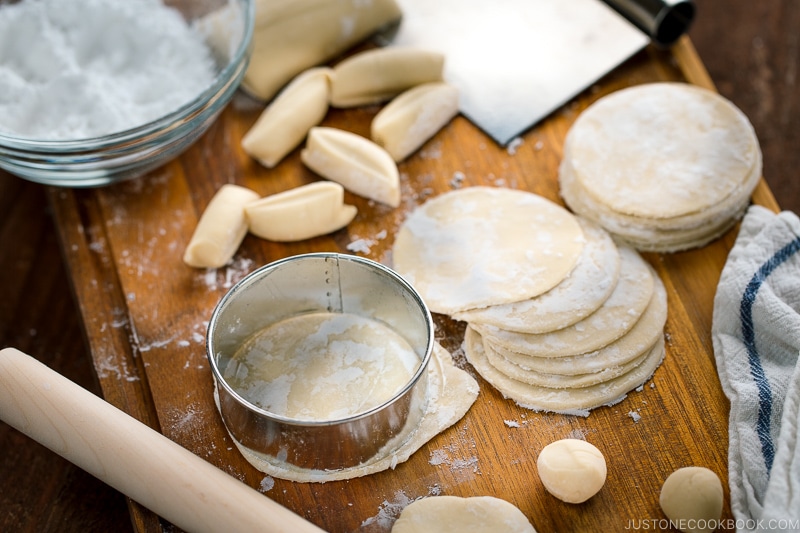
(131, 153)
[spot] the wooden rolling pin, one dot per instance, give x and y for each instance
(130, 456)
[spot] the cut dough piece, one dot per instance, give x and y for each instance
(618, 314)
(581, 293)
(693, 496)
(284, 124)
(415, 116)
(482, 246)
(290, 36)
(221, 228)
(451, 392)
(567, 401)
(630, 346)
(357, 163)
(454, 514)
(300, 213)
(572, 470)
(662, 150)
(378, 75)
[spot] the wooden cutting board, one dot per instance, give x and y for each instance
(145, 315)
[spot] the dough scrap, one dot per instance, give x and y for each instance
(567, 401)
(285, 122)
(693, 496)
(572, 470)
(300, 213)
(618, 314)
(581, 293)
(482, 246)
(454, 514)
(451, 392)
(221, 228)
(355, 162)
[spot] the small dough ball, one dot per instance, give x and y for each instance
(454, 514)
(572, 470)
(692, 497)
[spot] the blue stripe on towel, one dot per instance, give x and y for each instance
(748, 334)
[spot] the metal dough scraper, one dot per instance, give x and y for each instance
(516, 61)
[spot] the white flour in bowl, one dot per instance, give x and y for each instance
(76, 69)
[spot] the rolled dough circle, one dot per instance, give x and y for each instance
(627, 348)
(581, 293)
(481, 246)
(568, 401)
(454, 514)
(660, 235)
(612, 320)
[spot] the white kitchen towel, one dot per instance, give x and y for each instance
(756, 336)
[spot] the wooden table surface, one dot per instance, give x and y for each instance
(41, 492)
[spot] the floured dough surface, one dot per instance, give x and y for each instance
(454, 514)
(612, 320)
(581, 293)
(482, 246)
(662, 150)
(322, 366)
(451, 392)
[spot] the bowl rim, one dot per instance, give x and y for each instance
(254, 276)
(158, 125)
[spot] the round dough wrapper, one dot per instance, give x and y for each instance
(661, 150)
(611, 321)
(451, 392)
(633, 345)
(693, 496)
(566, 401)
(558, 381)
(454, 514)
(581, 293)
(572, 470)
(482, 246)
(721, 210)
(663, 235)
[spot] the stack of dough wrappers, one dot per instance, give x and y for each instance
(663, 166)
(559, 317)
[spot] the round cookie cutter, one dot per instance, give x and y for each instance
(320, 282)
